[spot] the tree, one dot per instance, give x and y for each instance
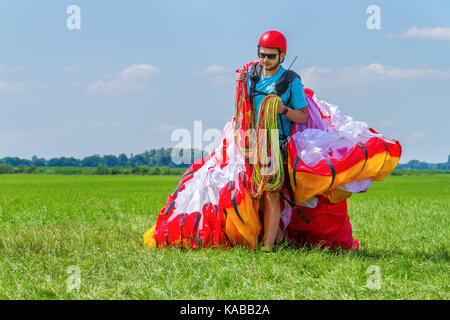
(110, 161)
(139, 160)
(39, 162)
(15, 161)
(122, 160)
(64, 162)
(92, 161)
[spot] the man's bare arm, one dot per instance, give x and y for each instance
(297, 116)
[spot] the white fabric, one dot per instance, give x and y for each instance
(332, 137)
(335, 141)
(207, 181)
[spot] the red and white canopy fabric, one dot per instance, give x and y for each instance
(329, 158)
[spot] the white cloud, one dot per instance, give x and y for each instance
(139, 71)
(354, 75)
(4, 68)
(417, 136)
(97, 123)
(216, 75)
(132, 78)
(102, 124)
(9, 136)
(438, 33)
(116, 86)
(74, 85)
(74, 69)
(214, 69)
(221, 80)
(6, 86)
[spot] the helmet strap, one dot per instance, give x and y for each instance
(274, 67)
(279, 62)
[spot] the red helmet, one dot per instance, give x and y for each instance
(273, 39)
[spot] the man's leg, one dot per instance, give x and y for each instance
(272, 214)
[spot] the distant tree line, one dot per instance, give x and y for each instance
(416, 164)
(100, 170)
(152, 158)
(139, 170)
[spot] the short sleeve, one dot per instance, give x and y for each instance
(298, 99)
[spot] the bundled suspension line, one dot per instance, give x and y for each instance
(243, 120)
(267, 174)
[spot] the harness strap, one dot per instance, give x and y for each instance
(288, 185)
(255, 75)
(283, 136)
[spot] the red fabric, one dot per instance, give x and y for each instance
(373, 147)
(309, 92)
(329, 226)
(213, 226)
(189, 228)
(209, 228)
(225, 198)
(197, 164)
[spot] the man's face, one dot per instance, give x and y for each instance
(267, 63)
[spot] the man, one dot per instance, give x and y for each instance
(272, 47)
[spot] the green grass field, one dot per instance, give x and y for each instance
(49, 223)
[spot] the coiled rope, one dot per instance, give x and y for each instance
(267, 173)
(261, 148)
(243, 123)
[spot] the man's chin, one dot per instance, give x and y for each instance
(269, 68)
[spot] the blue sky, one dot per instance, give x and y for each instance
(136, 70)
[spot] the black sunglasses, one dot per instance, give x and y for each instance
(270, 56)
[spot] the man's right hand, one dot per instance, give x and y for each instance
(241, 76)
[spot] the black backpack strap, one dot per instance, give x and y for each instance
(284, 83)
(283, 137)
(255, 75)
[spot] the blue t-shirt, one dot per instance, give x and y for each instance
(267, 85)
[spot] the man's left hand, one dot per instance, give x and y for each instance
(280, 106)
